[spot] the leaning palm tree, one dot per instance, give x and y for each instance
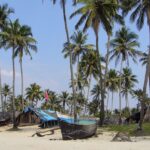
(140, 10)
(63, 4)
(128, 82)
(112, 84)
(95, 13)
(25, 44)
(124, 46)
(10, 37)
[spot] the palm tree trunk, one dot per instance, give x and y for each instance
(22, 83)
(112, 103)
(71, 64)
(107, 101)
(120, 99)
(102, 113)
(13, 90)
(1, 97)
(88, 92)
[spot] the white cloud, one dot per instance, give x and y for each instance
(9, 73)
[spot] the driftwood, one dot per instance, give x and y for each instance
(121, 137)
(40, 133)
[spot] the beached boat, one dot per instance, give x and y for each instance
(80, 130)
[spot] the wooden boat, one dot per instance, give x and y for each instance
(73, 131)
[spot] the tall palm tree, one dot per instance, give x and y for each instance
(63, 4)
(34, 93)
(25, 44)
(124, 46)
(6, 92)
(78, 47)
(95, 13)
(64, 96)
(10, 37)
(128, 82)
(112, 84)
(140, 10)
(5, 12)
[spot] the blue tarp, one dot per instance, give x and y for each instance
(44, 117)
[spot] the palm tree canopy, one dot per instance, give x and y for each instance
(6, 90)
(94, 12)
(77, 45)
(124, 45)
(112, 80)
(128, 81)
(5, 11)
(141, 8)
(34, 93)
(26, 42)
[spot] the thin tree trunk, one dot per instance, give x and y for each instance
(112, 104)
(102, 113)
(107, 101)
(71, 64)
(88, 92)
(120, 99)
(13, 90)
(2, 103)
(22, 83)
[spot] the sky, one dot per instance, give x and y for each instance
(48, 67)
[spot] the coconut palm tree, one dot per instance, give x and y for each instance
(64, 96)
(140, 10)
(78, 47)
(124, 46)
(89, 66)
(6, 92)
(63, 5)
(5, 12)
(112, 84)
(95, 13)
(25, 44)
(128, 82)
(10, 37)
(34, 93)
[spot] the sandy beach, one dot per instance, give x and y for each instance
(23, 140)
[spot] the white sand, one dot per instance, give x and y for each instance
(22, 140)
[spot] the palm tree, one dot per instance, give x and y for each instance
(64, 96)
(124, 46)
(128, 83)
(89, 67)
(78, 47)
(140, 10)
(5, 12)
(10, 38)
(112, 83)
(63, 4)
(34, 93)
(6, 92)
(25, 44)
(95, 13)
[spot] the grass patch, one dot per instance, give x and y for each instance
(129, 129)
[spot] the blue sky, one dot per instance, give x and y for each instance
(48, 67)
